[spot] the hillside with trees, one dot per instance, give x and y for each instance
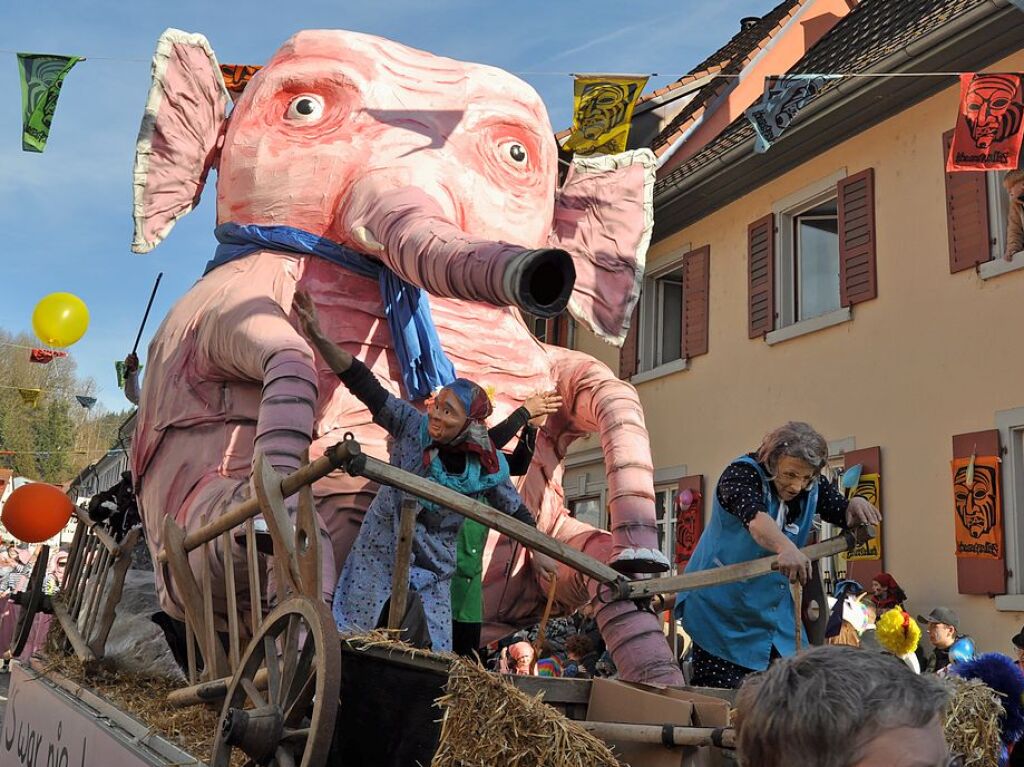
(56, 437)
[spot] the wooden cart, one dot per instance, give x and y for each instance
(274, 665)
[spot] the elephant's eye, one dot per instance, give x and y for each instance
(306, 108)
(517, 152)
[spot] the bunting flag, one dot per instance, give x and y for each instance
(30, 396)
(988, 125)
(41, 78)
(237, 76)
(86, 402)
(122, 374)
(45, 356)
(783, 97)
(602, 112)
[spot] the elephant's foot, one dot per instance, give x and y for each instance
(640, 560)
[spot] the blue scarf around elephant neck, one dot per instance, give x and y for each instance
(425, 366)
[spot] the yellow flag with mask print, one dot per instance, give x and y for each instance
(602, 112)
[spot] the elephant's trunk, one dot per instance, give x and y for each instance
(407, 230)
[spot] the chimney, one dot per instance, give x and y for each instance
(749, 21)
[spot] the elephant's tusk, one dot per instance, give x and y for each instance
(365, 238)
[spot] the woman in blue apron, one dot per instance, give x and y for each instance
(764, 504)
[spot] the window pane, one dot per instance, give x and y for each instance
(539, 328)
(817, 262)
(670, 317)
(587, 510)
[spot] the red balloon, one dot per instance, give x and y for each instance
(35, 512)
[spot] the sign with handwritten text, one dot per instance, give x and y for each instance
(42, 728)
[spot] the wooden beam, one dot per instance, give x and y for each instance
(82, 650)
(745, 570)
(403, 557)
(333, 458)
(529, 536)
(659, 734)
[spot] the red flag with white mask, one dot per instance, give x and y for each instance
(988, 124)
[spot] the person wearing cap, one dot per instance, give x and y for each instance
(944, 633)
(1018, 643)
(764, 504)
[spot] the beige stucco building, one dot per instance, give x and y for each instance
(932, 354)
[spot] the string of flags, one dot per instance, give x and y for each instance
(987, 137)
(989, 125)
(30, 396)
(42, 76)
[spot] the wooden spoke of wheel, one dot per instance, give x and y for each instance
(30, 601)
(298, 651)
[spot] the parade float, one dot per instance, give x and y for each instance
(418, 201)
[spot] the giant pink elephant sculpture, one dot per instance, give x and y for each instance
(418, 172)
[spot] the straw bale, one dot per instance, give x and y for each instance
(487, 721)
(972, 722)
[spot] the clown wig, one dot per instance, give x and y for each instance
(897, 632)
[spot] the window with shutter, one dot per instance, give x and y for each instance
(696, 283)
(761, 276)
(967, 215)
(857, 273)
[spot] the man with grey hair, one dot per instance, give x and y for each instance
(764, 504)
(836, 706)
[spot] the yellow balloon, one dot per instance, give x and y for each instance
(60, 319)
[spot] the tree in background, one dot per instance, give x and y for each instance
(58, 437)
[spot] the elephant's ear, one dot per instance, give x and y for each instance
(603, 217)
(180, 135)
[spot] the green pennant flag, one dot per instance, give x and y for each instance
(41, 78)
(122, 373)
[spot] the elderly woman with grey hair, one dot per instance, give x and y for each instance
(842, 707)
(764, 504)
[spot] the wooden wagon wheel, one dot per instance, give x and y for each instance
(30, 600)
(281, 705)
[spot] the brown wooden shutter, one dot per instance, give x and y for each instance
(966, 216)
(628, 353)
(761, 276)
(562, 330)
(696, 274)
(556, 330)
(858, 279)
(975, 575)
(870, 459)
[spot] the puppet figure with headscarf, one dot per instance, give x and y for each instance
(450, 446)
(886, 593)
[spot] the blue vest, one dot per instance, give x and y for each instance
(740, 622)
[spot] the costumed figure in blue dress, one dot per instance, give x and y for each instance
(449, 445)
(764, 505)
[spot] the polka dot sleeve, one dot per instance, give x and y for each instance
(740, 493)
(831, 504)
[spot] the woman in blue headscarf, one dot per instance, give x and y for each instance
(449, 445)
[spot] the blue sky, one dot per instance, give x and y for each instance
(66, 214)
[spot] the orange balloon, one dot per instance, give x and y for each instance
(35, 512)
